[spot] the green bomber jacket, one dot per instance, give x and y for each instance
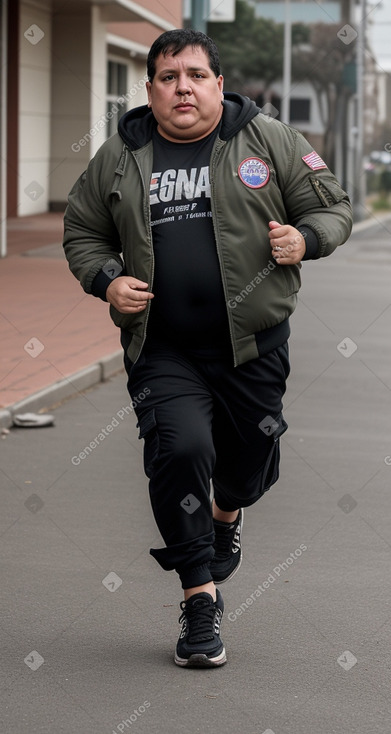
(260, 170)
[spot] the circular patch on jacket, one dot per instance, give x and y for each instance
(254, 173)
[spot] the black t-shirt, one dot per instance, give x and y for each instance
(189, 305)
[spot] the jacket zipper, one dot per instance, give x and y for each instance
(321, 192)
(149, 231)
(213, 162)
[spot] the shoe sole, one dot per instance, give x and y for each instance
(236, 569)
(232, 574)
(200, 660)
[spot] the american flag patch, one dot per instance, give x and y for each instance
(314, 161)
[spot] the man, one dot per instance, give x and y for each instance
(192, 223)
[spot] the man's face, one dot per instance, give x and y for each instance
(185, 95)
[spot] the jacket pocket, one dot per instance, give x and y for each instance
(291, 277)
(148, 431)
(328, 192)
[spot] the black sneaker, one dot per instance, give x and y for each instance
(199, 644)
(228, 552)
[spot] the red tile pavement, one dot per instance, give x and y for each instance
(49, 328)
(28, 233)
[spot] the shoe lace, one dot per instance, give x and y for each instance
(200, 617)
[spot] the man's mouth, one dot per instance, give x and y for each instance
(183, 106)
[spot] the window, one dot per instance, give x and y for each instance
(300, 110)
(299, 107)
(116, 88)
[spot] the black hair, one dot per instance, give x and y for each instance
(173, 42)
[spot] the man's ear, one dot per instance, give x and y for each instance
(220, 81)
(148, 86)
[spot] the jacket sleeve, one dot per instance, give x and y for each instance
(91, 241)
(314, 201)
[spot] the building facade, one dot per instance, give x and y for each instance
(71, 70)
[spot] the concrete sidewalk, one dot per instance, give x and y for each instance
(89, 620)
(55, 340)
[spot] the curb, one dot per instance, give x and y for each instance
(66, 388)
(370, 221)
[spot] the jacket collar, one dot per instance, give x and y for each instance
(136, 126)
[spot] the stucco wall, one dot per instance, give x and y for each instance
(34, 107)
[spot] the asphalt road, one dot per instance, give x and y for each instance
(89, 620)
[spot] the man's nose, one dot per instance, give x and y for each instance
(183, 85)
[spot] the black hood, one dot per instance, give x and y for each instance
(136, 126)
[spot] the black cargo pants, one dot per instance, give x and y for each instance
(203, 420)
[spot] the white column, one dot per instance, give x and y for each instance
(98, 80)
(34, 108)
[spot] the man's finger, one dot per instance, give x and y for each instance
(135, 283)
(135, 295)
(273, 224)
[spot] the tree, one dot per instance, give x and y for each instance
(251, 49)
(251, 53)
(328, 64)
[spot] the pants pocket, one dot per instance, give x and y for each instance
(148, 431)
(271, 468)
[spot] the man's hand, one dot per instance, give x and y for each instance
(287, 243)
(128, 295)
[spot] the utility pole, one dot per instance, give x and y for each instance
(199, 14)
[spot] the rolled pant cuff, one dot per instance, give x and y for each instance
(196, 576)
(227, 506)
